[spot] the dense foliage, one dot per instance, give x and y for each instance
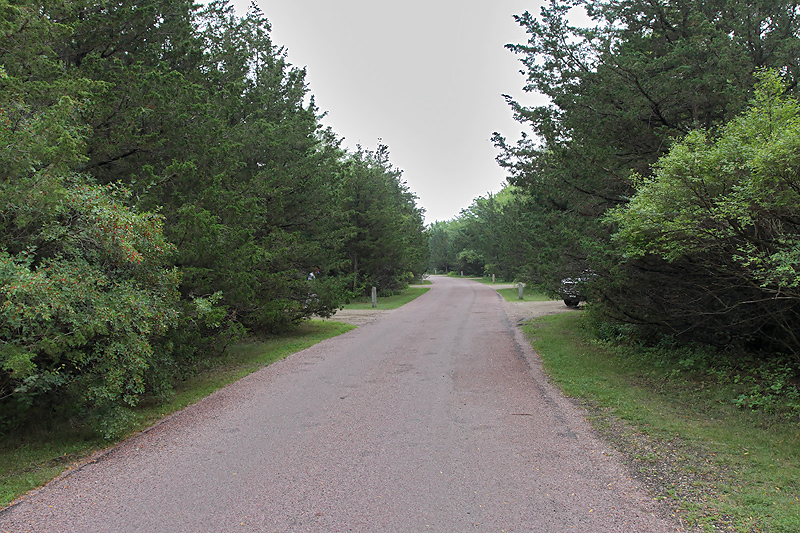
(493, 236)
(725, 211)
(166, 185)
(623, 93)
(387, 246)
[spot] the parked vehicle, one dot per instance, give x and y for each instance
(572, 290)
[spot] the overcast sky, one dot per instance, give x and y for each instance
(425, 76)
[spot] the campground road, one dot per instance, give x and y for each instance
(433, 417)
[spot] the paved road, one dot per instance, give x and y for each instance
(434, 417)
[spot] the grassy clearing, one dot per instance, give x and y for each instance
(721, 468)
(390, 302)
(36, 455)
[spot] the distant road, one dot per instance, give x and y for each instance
(433, 417)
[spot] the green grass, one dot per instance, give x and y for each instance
(31, 459)
(390, 302)
(721, 468)
(488, 280)
(512, 295)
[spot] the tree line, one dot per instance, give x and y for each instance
(490, 237)
(167, 186)
(663, 168)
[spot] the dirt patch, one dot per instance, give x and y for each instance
(358, 317)
(519, 312)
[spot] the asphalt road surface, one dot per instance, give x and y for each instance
(433, 417)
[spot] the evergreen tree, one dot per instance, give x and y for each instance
(167, 186)
(86, 288)
(622, 93)
(387, 246)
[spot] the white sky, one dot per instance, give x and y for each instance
(425, 76)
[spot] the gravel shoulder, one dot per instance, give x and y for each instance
(358, 317)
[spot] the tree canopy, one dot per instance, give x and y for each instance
(623, 93)
(167, 186)
(724, 211)
(497, 234)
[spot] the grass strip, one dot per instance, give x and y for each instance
(389, 302)
(512, 295)
(485, 280)
(31, 459)
(720, 468)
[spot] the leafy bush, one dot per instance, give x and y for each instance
(84, 291)
(715, 235)
(84, 282)
(772, 387)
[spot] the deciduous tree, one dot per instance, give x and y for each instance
(724, 212)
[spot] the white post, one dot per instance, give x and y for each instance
(462, 273)
(374, 297)
(520, 290)
(492, 279)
